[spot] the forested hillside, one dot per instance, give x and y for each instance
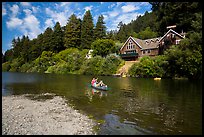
(80, 35)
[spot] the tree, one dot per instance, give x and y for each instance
(100, 29)
(17, 47)
(103, 47)
(72, 34)
(25, 48)
(58, 44)
(87, 31)
(111, 34)
(176, 13)
(122, 34)
(47, 43)
(8, 55)
(147, 34)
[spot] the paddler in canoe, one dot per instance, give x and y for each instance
(95, 83)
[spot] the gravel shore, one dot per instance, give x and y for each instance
(22, 116)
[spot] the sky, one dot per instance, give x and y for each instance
(32, 18)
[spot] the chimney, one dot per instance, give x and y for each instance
(171, 27)
(183, 34)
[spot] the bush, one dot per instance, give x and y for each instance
(42, 63)
(110, 65)
(25, 67)
(92, 66)
(148, 67)
(6, 66)
(16, 64)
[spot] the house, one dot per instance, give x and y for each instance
(134, 48)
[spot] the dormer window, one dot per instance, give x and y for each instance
(146, 42)
(152, 40)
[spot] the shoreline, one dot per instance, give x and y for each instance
(22, 116)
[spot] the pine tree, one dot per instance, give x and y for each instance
(87, 31)
(57, 38)
(25, 48)
(72, 34)
(100, 29)
(47, 40)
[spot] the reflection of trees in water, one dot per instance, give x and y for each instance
(143, 110)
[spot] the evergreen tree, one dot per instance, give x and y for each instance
(57, 38)
(122, 34)
(8, 55)
(47, 40)
(175, 13)
(17, 47)
(72, 34)
(100, 29)
(25, 48)
(87, 31)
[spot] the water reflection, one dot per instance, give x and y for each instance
(90, 92)
(163, 107)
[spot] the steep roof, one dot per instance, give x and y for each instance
(172, 32)
(127, 41)
(144, 44)
(148, 43)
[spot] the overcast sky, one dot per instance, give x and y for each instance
(32, 18)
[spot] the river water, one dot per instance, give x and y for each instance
(131, 106)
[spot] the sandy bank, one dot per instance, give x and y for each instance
(21, 115)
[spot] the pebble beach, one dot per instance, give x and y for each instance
(23, 116)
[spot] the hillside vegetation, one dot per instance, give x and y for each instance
(63, 49)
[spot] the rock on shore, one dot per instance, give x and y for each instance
(22, 116)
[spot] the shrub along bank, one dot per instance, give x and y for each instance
(69, 61)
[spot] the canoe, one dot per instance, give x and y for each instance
(100, 88)
(157, 78)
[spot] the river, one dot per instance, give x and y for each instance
(131, 106)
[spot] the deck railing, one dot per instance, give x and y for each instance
(129, 55)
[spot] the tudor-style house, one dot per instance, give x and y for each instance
(134, 48)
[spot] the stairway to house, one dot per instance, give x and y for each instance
(124, 69)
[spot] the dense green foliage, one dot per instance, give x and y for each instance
(148, 67)
(147, 33)
(103, 47)
(101, 66)
(180, 14)
(71, 60)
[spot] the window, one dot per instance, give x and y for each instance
(148, 51)
(130, 45)
(177, 42)
(143, 52)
